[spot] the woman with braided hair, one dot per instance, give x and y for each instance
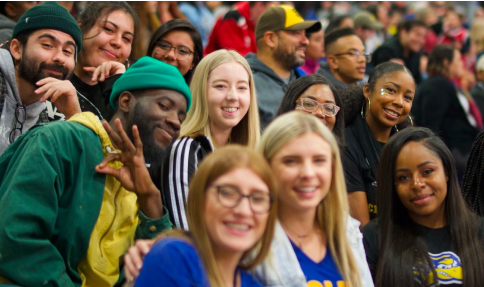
(473, 182)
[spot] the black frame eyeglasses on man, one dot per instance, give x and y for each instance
(356, 54)
(19, 119)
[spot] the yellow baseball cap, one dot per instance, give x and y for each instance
(283, 17)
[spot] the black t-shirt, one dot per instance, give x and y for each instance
(357, 170)
(447, 263)
(95, 98)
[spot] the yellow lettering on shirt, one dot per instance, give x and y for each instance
(326, 283)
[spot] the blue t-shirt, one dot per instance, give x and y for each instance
(175, 262)
(323, 274)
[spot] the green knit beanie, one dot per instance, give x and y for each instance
(150, 73)
(49, 15)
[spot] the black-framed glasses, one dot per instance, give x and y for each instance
(20, 117)
(310, 106)
(181, 52)
(230, 197)
(356, 54)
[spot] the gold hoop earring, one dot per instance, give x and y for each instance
(363, 106)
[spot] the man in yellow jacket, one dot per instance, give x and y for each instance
(74, 195)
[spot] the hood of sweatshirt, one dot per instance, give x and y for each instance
(8, 120)
(258, 67)
(326, 72)
(6, 28)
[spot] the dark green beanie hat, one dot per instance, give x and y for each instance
(49, 15)
(150, 73)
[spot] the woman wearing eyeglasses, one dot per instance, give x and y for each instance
(315, 241)
(231, 214)
(315, 95)
(178, 43)
(388, 98)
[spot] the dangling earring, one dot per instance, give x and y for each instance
(127, 64)
(411, 120)
(362, 107)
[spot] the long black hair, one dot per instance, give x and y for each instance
(185, 26)
(299, 86)
(473, 181)
(402, 246)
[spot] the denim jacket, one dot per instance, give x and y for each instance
(281, 268)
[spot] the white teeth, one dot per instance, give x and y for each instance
(230, 110)
(238, 226)
(305, 189)
(392, 113)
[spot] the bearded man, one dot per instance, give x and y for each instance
(281, 45)
(74, 195)
(41, 58)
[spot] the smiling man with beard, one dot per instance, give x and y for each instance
(41, 57)
(281, 47)
(74, 195)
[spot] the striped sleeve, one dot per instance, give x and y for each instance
(182, 163)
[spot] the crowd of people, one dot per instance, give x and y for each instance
(241, 144)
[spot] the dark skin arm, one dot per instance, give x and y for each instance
(134, 174)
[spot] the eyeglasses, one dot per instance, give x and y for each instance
(181, 53)
(230, 197)
(17, 131)
(310, 106)
(356, 54)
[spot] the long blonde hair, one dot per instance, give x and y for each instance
(332, 213)
(212, 167)
(197, 123)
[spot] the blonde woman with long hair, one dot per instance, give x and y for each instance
(231, 213)
(224, 110)
(316, 240)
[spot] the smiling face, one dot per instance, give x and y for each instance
(236, 229)
(109, 40)
(421, 182)
(48, 53)
(290, 50)
(228, 95)
(414, 39)
(322, 94)
(158, 114)
(391, 100)
(303, 168)
(179, 39)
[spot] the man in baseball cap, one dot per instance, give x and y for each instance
(366, 25)
(281, 46)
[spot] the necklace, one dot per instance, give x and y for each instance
(301, 237)
(91, 104)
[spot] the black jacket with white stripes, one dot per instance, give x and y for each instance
(181, 163)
